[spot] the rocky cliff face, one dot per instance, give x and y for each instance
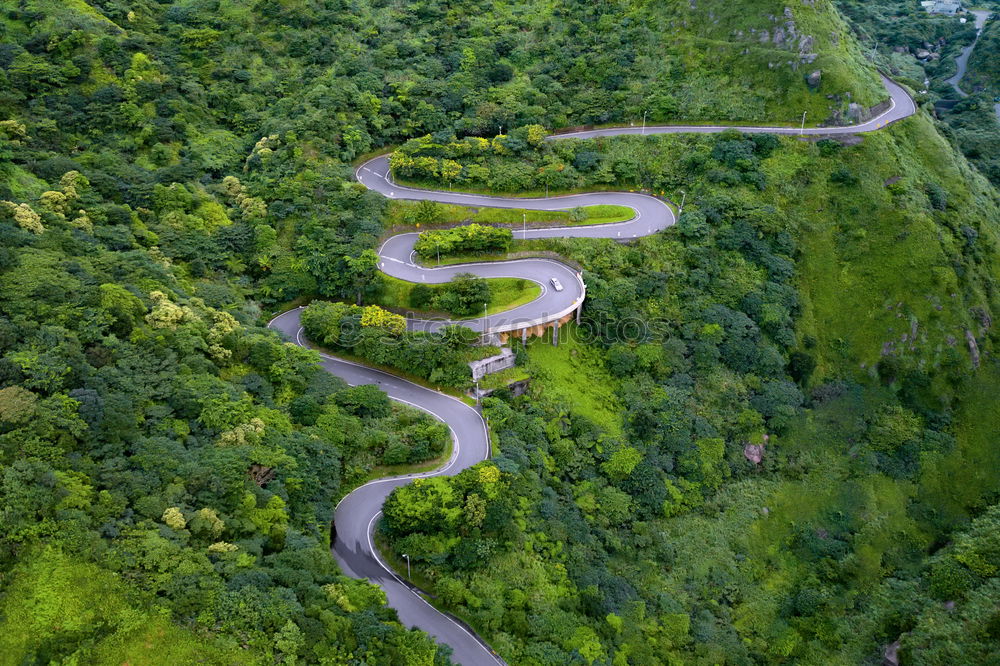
(805, 43)
(784, 34)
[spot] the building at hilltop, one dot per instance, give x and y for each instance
(946, 7)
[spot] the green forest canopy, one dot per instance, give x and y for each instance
(172, 171)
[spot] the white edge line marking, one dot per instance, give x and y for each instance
(374, 551)
(870, 125)
(409, 477)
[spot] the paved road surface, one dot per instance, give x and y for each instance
(357, 513)
(963, 59)
(397, 258)
(901, 106)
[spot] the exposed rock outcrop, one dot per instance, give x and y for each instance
(973, 347)
(890, 656)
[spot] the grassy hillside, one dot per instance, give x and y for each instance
(169, 170)
(899, 260)
(53, 604)
(824, 306)
(984, 63)
(762, 51)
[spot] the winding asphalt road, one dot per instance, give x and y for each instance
(962, 61)
(357, 513)
(355, 517)
(398, 260)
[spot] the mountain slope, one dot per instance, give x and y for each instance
(171, 170)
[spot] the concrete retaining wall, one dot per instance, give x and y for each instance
(561, 316)
(487, 366)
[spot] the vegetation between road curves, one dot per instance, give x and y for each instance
(764, 471)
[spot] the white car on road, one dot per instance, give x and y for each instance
(556, 284)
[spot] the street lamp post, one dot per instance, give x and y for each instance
(524, 224)
(644, 121)
(802, 129)
(407, 565)
(437, 246)
(684, 195)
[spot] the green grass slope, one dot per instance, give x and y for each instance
(984, 63)
(573, 376)
(761, 51)
(901, 260)
(56, 607)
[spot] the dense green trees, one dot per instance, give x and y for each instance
(380, 337)
(475, 504)
(648, 535)
(184, 448)
(149, 426)
(467, 239)
(171, 171)
(513, 163)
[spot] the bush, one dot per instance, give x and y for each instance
(421, 296)
(801, 366)
(949, 579)
(937, 196)
(397, 453)
(843, 176)
(469, 239)
(437, 357)
(828, 147)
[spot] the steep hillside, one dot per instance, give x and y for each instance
(918, 228)
(762, 53)
(800, 371)
(172, 171)
(984, 63)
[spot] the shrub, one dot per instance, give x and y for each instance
(937, 196)
(469, 239)
(828, 147)
(421, 296)
(843, 176)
